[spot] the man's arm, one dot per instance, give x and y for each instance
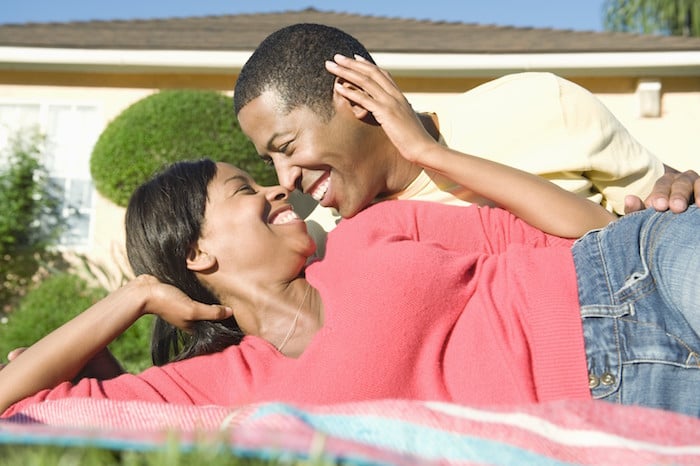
(674, 190)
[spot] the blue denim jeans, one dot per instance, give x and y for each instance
(639, 291)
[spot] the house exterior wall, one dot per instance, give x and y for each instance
(674, 136)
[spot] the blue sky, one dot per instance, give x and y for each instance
(560, 14)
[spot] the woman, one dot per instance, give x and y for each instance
(489, 313)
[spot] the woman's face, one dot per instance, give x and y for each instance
(252, 233)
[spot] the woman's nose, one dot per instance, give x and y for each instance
(276, 193)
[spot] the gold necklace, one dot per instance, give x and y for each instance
(293, 327)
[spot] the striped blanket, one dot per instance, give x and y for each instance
(392, 432)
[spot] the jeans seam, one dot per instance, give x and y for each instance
(676, 338)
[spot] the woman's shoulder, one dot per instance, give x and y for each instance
(401, 219)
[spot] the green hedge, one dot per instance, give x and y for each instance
(58, 299)
(165, 127)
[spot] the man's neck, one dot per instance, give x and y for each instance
(401, 176)
(431, 124)
(403, 172)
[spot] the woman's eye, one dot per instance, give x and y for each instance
(247, 189)
(284, 148)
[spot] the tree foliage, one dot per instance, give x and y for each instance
(163, 128)
(668, 17)
(30, 218)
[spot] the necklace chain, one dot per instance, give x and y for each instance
(293, 327)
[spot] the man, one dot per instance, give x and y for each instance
(334, 150)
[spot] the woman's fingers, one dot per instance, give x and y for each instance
(365, 75)
(12, 355)
(15, 352)
(176, 307)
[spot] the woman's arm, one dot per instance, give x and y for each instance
(524, 194)
(102, 366)
(61, 355)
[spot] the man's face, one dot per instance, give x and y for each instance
(333, 161)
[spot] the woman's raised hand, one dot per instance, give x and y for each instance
(373, 89)
(176, 307)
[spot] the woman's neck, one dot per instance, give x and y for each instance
(306, 322)
(287, 316)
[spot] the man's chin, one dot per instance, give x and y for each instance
(349, 211)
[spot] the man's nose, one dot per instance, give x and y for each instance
(288, 175)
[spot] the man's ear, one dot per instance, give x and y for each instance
(198, 260)
(359, 111)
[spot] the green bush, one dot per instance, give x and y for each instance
(165, 127)
(58, 299)
(30, 218)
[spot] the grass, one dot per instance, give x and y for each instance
(207, 451)
(29, 455)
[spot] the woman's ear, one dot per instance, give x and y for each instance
(198, 260)
(358, 111)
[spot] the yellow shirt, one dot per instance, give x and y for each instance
(549, 126)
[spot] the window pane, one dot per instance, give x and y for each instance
(71, 132)
(79, 194)
(14, 120)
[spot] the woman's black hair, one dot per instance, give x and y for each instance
(163, 219)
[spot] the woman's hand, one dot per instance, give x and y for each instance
(102, 366)
(12, 355)
(373, 89)
(174, 306)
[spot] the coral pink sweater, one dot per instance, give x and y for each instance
(422, 301)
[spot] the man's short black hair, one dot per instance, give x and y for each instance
(290, 62)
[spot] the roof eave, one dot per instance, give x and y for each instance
(433, 65)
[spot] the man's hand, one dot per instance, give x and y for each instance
(674, 190)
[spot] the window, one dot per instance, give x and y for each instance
(71, 131)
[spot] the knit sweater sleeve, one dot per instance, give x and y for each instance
(219, 378)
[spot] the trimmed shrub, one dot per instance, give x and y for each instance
(166, 127)
(58, 299)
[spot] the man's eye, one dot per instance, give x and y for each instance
(267, 160)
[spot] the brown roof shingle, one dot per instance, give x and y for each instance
(378, 34)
